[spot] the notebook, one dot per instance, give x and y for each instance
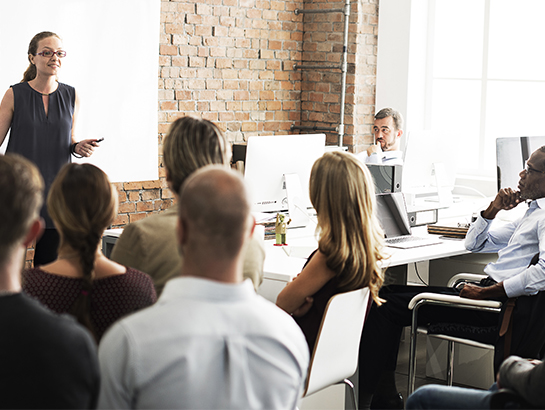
(392, 214)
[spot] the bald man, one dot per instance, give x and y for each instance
(210, 341)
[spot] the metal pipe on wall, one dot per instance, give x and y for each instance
(343, 67)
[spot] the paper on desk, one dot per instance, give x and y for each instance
(298, 251)
(261, 217)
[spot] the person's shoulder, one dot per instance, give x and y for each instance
(67, 87)
(273, 316)
(137, 277)
(48, 325)
(153, 222)
(22, 85)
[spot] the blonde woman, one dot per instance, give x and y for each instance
(82, 281)
(349, 246)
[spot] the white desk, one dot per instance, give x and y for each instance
(279, 268)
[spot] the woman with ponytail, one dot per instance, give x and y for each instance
(350, 241)
(82, 281)
(41, 114)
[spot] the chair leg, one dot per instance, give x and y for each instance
(353, 393)
(450, 362)
(412, 354)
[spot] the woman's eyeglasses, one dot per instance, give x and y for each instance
(48, 53)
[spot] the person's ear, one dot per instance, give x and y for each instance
(35, 232)
(31, 59)
(252, 226)
(399, 134)
(169, 181)
(181, 231)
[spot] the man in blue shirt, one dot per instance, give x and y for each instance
(513, 275)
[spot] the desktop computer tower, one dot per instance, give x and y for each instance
(387, 177)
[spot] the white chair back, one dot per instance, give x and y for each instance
(335, 355)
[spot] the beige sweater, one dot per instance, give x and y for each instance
(150, 245)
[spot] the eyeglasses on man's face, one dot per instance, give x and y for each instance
(529, 170)
(49, 53)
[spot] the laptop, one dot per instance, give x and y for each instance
(393, 217)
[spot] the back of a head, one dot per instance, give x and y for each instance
(214, 203)
(21, 196)
(82, 204)
(390, 112)
(343, 194)
(191, 144)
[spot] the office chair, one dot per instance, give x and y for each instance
(436, 299)
(335, 355)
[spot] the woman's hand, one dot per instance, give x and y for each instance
(85, 148)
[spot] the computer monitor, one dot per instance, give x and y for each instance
(269, 158)
(511, 154)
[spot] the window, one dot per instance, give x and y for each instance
(486, 76)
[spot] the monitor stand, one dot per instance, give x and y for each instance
(297, 209)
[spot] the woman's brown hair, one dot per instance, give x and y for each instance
(82, 204)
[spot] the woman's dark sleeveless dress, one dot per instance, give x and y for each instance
(43, 139)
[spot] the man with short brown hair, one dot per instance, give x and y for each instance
(47, 360)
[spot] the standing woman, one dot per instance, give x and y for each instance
(41, 113)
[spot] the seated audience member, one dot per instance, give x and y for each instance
(525, 377)
(149, 245)
(388, 129)
(349, 246)
(82, 281)
(513, 275)
(46, 360)
(210, 342)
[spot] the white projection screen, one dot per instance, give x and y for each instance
(112, 60)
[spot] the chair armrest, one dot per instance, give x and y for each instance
(473, 277)
(428, 297)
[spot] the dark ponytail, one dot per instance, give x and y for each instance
(86, 247)
(30, 73)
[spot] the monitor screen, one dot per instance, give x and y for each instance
(392, 214)
(511, 154)
(269, 157)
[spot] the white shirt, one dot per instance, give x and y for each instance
(204, 345)
(516, 244)
(384, 158)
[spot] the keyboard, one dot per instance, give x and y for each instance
(403, 239)
(410, 241)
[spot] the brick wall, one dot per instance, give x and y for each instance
(232, 62)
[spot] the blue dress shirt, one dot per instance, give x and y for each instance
(516, 243)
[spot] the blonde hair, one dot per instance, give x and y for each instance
(30, 73)
(191, 144)
(343, 194)
(82, 203)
